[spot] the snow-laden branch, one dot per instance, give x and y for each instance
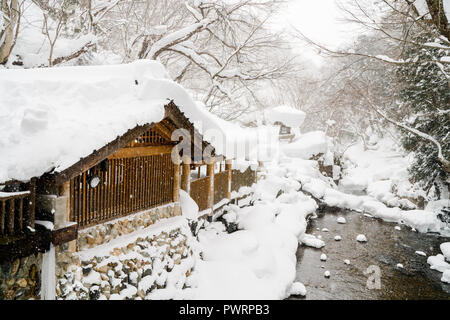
(445, 163)
(177, 37)
(382, 58)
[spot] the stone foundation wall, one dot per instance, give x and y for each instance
(135, 270)
(20, 279)
(105, 232)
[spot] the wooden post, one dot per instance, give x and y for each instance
(186, 174)
(176, 175)
(2, 217)
(32, 206)
(10, 222)
(228, 169)
(64, 190)
(210, 174)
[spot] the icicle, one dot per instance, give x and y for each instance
(48, 284)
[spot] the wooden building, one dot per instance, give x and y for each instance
(128, 183)
(131, 174)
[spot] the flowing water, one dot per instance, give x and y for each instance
(386, 247)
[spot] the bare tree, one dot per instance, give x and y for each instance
(396, 25)
(10, 13)
(221, 50)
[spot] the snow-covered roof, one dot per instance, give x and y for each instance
(287, 115)
(52, 117)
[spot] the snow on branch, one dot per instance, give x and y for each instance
(445, 163)
(177, 37)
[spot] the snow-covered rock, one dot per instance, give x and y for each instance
(361, 238)
(311, 241)
(298, 289)
(341, 220)
(446, 276)
(438, 263)
(445, 249)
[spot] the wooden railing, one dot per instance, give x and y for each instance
(126, 186)
(220, 186)
(199, 192)
(240, 179)
(16, 213)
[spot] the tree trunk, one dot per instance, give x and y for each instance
(436, 9)
(11, 19)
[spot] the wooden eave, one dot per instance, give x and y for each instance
(173, 119)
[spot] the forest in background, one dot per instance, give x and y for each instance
(392, 79)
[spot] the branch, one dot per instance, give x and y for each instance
(74, 55)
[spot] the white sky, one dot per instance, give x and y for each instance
(318, 20)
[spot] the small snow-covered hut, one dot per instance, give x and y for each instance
(287, 118)
(88, 154)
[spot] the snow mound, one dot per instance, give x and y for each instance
(189, 207)
(66, 113)
(307, 145)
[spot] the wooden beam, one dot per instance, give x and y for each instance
(176, 178)
(163, 131)
(99, 155)
(185, 176)
(180, 120)
(229, 168)
(210, 174)
(32, 206)
(64, 235)
(2, 216)
(141, 152)
(10, 223)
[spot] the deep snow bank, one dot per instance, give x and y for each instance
(257, 261)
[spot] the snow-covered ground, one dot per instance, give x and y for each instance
(258, 261)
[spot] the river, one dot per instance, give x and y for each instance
(386, 247)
